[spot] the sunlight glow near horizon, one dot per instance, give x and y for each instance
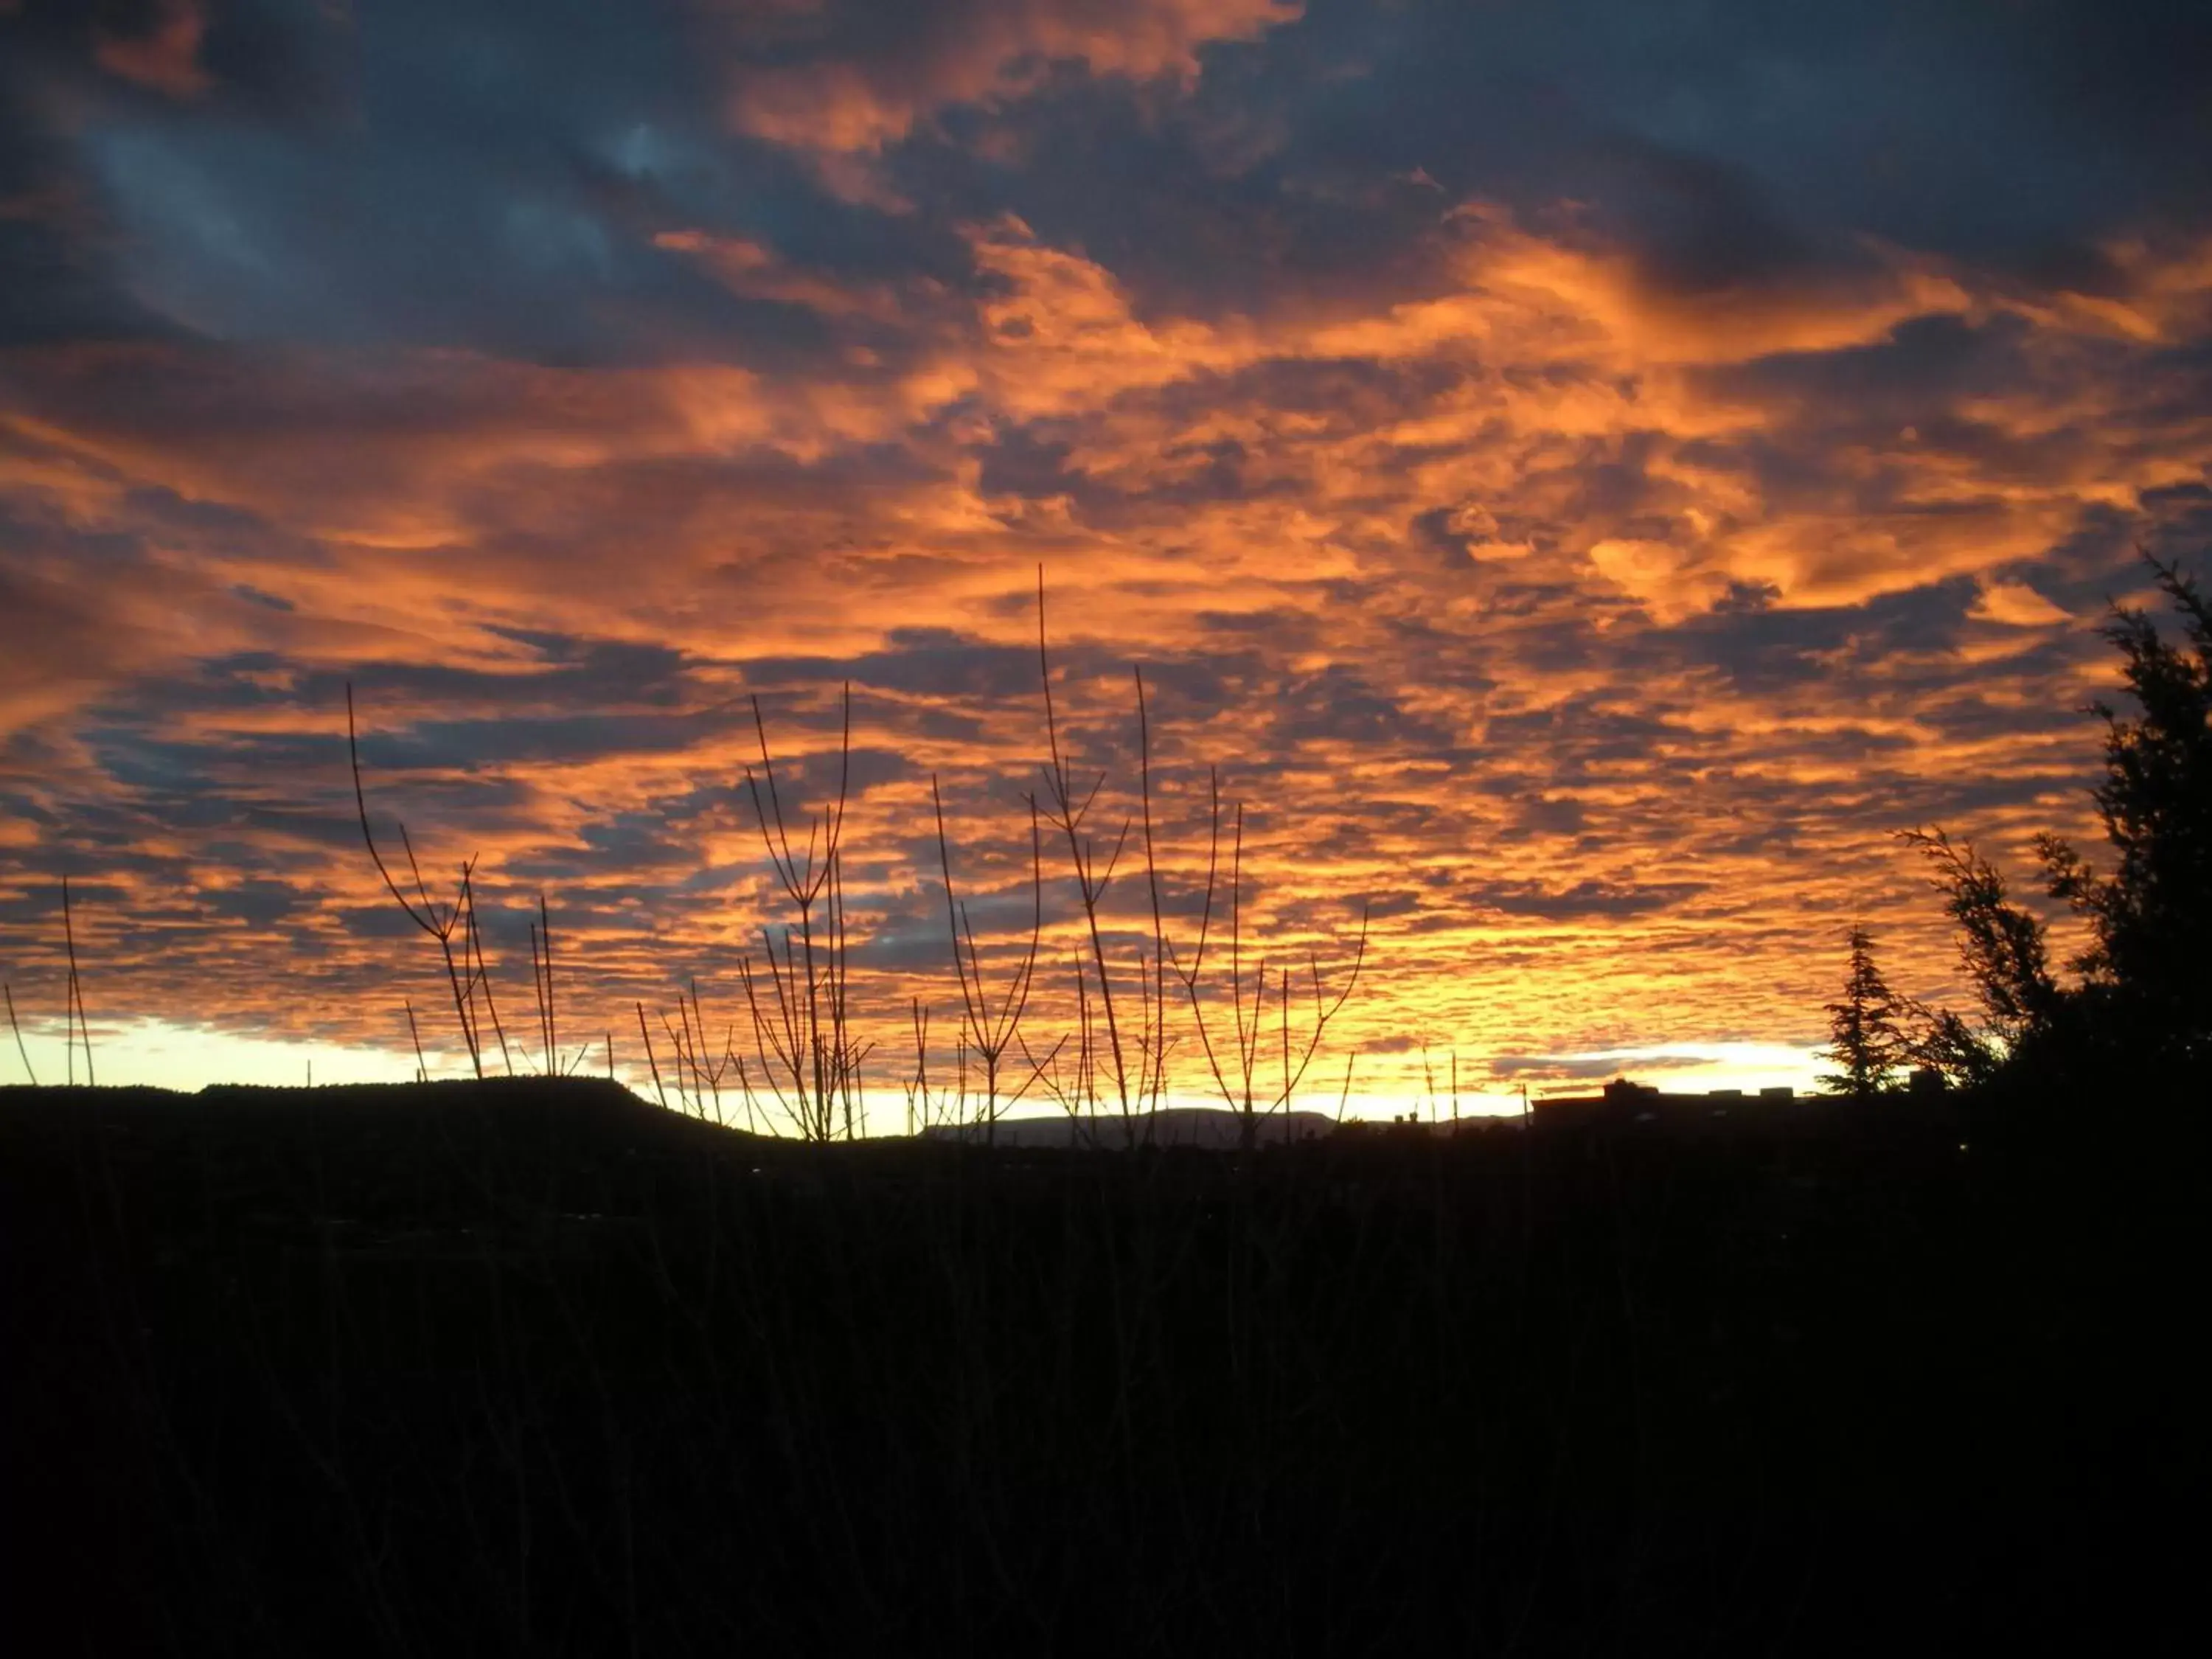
(155, 1055)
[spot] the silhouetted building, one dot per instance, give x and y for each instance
(1625, 1102)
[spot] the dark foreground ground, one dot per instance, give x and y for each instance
(537, 1368)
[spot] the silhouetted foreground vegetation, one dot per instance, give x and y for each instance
(532, 1367)
(2138, 1008)
(2137, 1013)
(804, 1074)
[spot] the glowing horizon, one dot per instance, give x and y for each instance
(143, 1053)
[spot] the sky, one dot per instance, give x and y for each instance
(1586, 474)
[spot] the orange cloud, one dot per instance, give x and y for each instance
(750, 268)
(166, 56)
(1600, 635)
(976, 53)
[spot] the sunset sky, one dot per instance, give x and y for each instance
(1588, 474)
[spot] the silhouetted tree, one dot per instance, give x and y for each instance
(1867, 1044)
(1941, 1041)
(2001, 946)
(2143, 1000)
(2148, 972)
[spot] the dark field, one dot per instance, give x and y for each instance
(534, 1368)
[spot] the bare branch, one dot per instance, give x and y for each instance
(20, 1048)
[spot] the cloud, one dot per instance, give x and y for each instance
(867, 70)
(2018, 605)
(1579, 483)
(1584, 899)
(1581, 1068)
(162, 52)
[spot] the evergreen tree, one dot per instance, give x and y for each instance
(2142, 1003)
(1944, 1042)
(2147, 974)
(2001, 946)
(1867, 1044)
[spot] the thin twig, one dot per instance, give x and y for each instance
(991, 1032)
(20, 1048)
(483, 976)
(421, 911)
(75, 985)
(1083, 852)
(814, 1042)
(649, 1060)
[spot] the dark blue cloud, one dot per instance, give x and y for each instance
(483, 176)
(1582, 901)
(422, 175)
(1735, 146)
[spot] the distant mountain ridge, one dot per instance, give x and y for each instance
(1207, 1127)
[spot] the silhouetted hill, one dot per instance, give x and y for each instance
(1211, 1127)
(529, 1368)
